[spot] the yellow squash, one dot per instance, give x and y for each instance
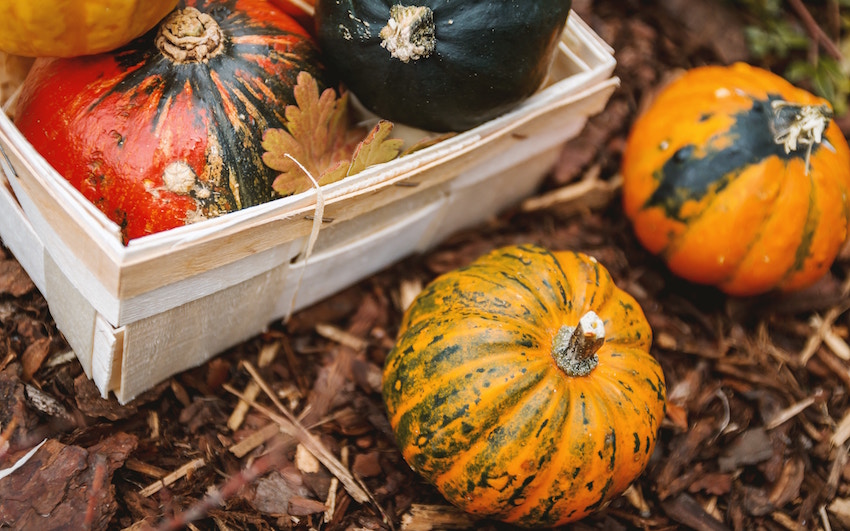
(68, 28)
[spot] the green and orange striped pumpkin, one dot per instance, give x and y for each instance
(522, 387)
(168, 130)
(738, 179)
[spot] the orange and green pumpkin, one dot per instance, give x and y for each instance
(738, 179)
(522, 386)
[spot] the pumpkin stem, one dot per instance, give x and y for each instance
(802, 125)
(409, 33)
(189, 36)
(574, 347)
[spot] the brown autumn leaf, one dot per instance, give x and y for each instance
(34, 356)
(318, 141)
(13, 279)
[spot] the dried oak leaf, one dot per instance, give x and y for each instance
(318, 139)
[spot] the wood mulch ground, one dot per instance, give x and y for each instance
(758, 424)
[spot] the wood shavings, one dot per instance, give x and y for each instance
(423, 517)
(589, 193)
(842, 432)
(172, 477)
(341, 336)
(790, 412)
(305, 461)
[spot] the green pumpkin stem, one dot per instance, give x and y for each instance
(189, 36)
(574, 347)
(409, 33)
(795, 125)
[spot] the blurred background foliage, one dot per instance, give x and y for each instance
(779, 34)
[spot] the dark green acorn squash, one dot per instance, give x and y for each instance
(440, 65)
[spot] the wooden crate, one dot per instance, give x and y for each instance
(137, 314)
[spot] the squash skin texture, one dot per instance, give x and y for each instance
(480, 409)
(489, 56)
(68, 28)
(118, 125)
(708, 189)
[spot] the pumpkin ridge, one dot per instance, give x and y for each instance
(610, 382)
(418, 411)
(811, 224)
(620, 311)
(578, 285)
(457, 451)
(527, 423)
(741, 270)
(684, 177)
(483, 274)
(716, 197)
(454, 374)
(589, 474)
(563, 490)
(543, 481)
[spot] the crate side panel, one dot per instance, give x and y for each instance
(210, 281)
(107, 346)
(336, 269)
(337, 234)
(19, 236)
(71, 311)
(77, 271)
(165, 344)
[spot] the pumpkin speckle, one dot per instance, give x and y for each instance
(178, 177)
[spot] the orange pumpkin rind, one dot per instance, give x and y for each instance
(740, 180)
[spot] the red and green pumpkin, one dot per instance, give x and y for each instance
(168, 129)
(738, 179)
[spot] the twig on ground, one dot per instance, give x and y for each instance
(290, 424)
(789, 413)
(181, 472)
(266, 356)
(588, 193)
(342, 337)
(254, 440)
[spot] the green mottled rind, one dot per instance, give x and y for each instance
(480, 409)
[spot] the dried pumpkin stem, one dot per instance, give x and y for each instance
(795, 125)
(574, 347)
(189, 36)
(409, 33)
